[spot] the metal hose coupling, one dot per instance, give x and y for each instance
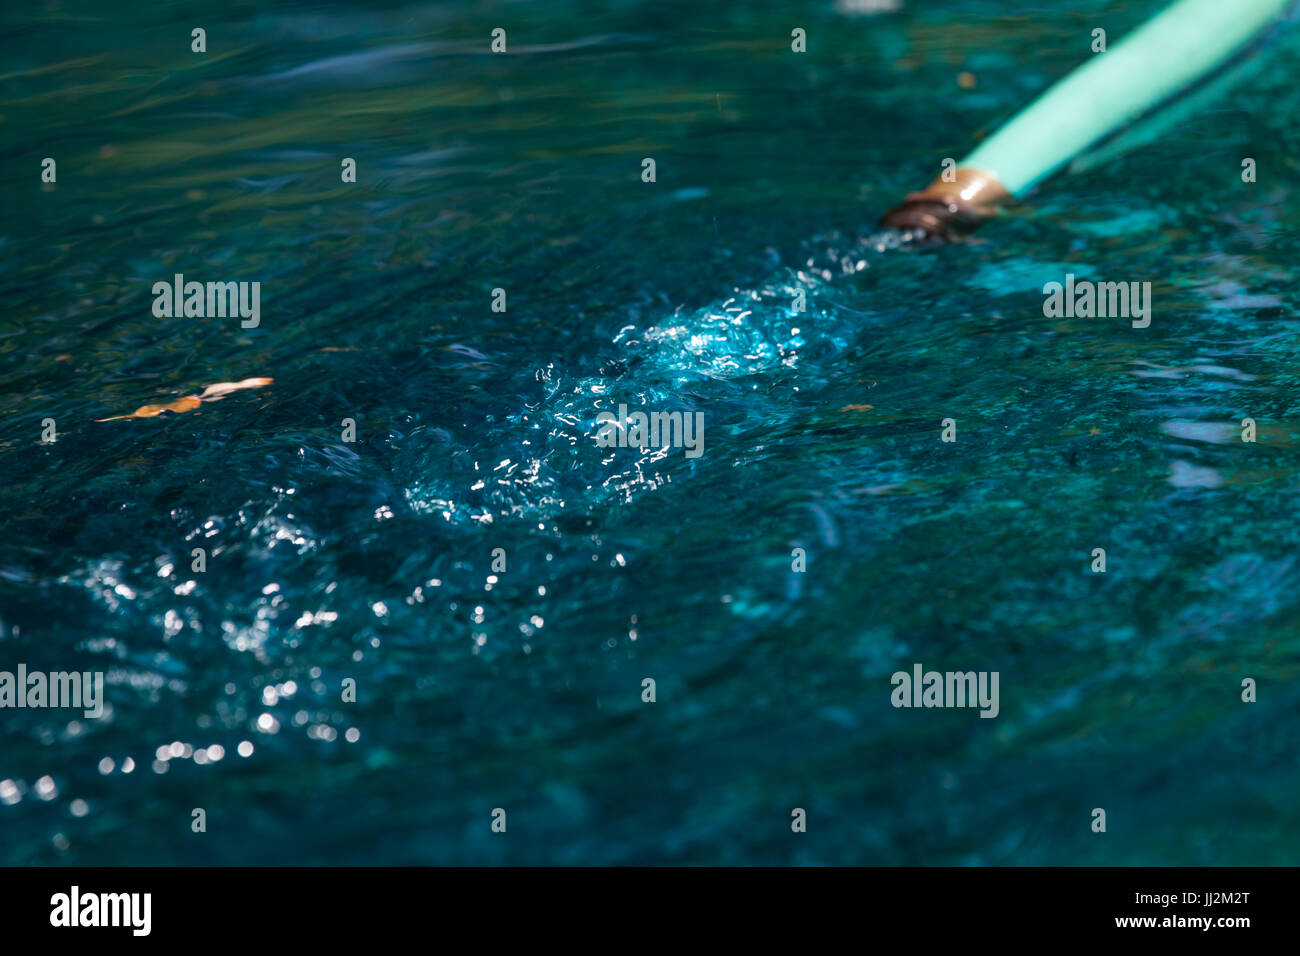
(946, 210)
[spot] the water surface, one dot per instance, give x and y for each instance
(521, 689)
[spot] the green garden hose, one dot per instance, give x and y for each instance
(1180, 48)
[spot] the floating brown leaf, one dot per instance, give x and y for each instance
(186, 404)
(191, 402)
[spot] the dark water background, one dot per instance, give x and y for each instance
(329, 560)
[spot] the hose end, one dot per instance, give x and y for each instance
(947, 210)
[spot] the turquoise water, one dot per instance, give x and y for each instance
(521, 689)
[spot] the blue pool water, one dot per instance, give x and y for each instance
(521, 689)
